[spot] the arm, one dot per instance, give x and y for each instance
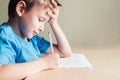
(62, 47)
(22, 70)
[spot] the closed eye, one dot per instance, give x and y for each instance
(42, 19)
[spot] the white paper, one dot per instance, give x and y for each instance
(75, 61)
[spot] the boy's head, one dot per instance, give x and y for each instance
(29, 5)
(29, 15)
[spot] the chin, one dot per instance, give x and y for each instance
(29, 36)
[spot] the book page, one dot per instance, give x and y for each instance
(76, 60)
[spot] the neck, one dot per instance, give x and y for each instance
(13, 22)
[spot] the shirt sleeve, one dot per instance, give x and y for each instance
(43, 44)
(7, 55)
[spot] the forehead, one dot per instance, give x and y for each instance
(39, 11)
(43, 3)
(41, 6)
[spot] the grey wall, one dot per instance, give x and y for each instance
(3, 10)
(85, 22)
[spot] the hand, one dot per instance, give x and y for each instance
(53, 12)
(52, 60)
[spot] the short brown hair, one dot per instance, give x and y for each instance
(29, 4)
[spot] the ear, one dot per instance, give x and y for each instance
(20, 8)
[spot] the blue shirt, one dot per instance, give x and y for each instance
(14, 49)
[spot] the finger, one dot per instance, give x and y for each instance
(58, 3)
(52, 10)
(49, 13)
(54, 3)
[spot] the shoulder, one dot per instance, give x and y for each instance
(7, 34)
(4, 26)
(5, 30)
(39, 40)
(37, 37)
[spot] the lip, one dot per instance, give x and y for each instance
(40, 30)
(35, 33)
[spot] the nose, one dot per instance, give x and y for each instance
(41, 28)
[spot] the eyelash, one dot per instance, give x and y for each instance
(41, 20)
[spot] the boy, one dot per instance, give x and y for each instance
(20, 44)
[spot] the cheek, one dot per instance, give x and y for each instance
(31, 24)
(38, 24)
(35, 22)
